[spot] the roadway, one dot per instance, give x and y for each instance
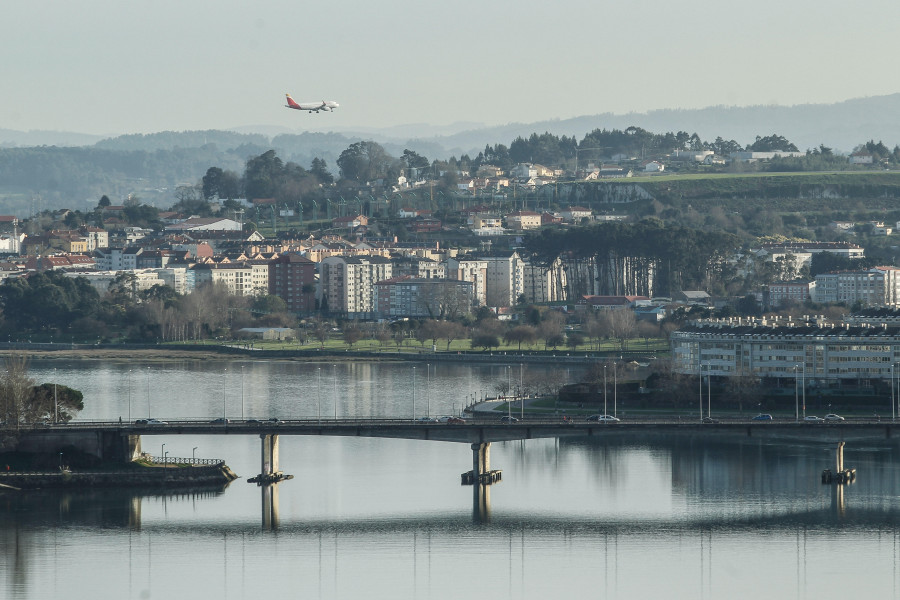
(479, 430)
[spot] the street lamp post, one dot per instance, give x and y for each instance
(893, 406)
(193, 454)
(334, 389)
(148, 392)
(224, 377)
(796, 394)
(615, 389)
(604, 389)
(804, 389)
(242, 392)
(129, 395)
(414, 393)
(162, 450)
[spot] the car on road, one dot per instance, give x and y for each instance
(709, 420)
(813, 419)
(456, 421)
(273, 421)
(427, 420)
(762, 417)
(603, 418)
(508, 419)
(150, 422)
(220, 421)
(833, 417)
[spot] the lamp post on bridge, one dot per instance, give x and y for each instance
(224, 379)
(129, 395)
(796, 394)
(604, 389)
(414, 393)
(148, 392)
(162, 450)
(242, 392)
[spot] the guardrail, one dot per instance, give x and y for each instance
(192, 462)
(479, 419)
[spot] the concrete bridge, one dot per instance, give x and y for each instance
(118, 441)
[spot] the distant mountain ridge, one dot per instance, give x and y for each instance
(841, 125)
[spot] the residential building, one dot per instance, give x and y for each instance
(505, 279)
(347, 284)
(879, 286)
(521, 220)
(402, 297)
(292, 277)
(471, 269)
(828, 353)
(781, 292)
(236, 277)
(542, 284)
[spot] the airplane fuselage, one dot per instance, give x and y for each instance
(315, 107)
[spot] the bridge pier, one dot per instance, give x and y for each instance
(481, 459)
(269, 471)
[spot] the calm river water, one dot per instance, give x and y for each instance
(667, 517)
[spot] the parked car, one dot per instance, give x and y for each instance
(834, 417)
(603, 418)
(813, 419)
(508, 419)
(762, 417)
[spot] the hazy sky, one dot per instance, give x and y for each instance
(120, 66)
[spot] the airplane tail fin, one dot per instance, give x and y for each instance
(290, 102)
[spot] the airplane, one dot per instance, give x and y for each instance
(328, 105)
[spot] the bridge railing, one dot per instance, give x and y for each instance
(192, 462)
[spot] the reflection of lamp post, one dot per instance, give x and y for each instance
(166, 460)
(796, 394)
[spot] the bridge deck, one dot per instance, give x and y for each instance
(477, 430)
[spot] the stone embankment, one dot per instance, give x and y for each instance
(146, 477)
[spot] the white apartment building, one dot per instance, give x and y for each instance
(879, 286)
(473, 270)
(236, 277)
(543, 284)
(826, 353)
(347, 284)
